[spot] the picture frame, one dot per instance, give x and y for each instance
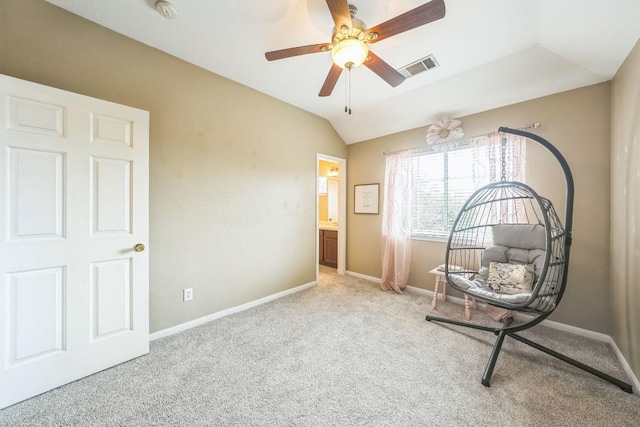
(366, 198)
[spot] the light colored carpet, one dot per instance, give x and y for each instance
(343, 353)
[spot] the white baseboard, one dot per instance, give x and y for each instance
(627, 369)
(363, 276)
(428, 293)
(202, 320)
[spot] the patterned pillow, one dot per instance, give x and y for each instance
(505, 278)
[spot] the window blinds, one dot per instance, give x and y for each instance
(443, 181)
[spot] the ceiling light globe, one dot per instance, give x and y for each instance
(349, 53)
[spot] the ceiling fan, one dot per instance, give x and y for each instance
(350, 39)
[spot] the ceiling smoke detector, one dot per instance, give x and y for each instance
(166, 9)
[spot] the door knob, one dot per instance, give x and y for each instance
(139, 247)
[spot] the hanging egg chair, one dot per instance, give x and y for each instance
(511, 250)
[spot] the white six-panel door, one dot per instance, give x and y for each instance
(74, 205)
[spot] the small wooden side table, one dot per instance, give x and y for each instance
(440, 279)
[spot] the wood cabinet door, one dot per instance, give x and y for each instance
(331, 248)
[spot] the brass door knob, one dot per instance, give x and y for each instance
(139, 247)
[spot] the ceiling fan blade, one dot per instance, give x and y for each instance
(340, 13)
(330, 81)
(421, 15)
(384, 70)
(295, 51)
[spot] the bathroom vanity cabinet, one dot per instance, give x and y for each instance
(328, 248)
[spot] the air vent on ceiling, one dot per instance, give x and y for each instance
(419, 66)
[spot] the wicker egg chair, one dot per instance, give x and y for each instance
(511, 250)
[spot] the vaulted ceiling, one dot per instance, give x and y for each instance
(490, 53)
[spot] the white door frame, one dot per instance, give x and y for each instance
(342, 211)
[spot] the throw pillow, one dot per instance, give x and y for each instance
(505, 278)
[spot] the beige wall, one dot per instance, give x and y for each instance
(625, 208)
(232, 171)
(578, 124)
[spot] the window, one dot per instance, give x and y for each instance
(443, 181)
(323, 185)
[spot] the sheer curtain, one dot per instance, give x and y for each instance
(489, 165)
(487, 158)
(397, 209)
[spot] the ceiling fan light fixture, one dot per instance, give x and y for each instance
(349, 53)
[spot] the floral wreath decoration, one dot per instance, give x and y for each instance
(443, 132)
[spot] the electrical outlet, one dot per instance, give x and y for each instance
(187, 294)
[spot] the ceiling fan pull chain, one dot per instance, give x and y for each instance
(346, 93)
(349, 91)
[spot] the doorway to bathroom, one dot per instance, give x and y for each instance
(331, 212)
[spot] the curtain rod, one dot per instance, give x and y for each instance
(535, 125)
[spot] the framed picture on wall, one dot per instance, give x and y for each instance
(366, 198)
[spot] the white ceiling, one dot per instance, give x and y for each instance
(491, 52)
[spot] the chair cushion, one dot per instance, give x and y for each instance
(517, 244)
(522, 236)
(476, 288)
